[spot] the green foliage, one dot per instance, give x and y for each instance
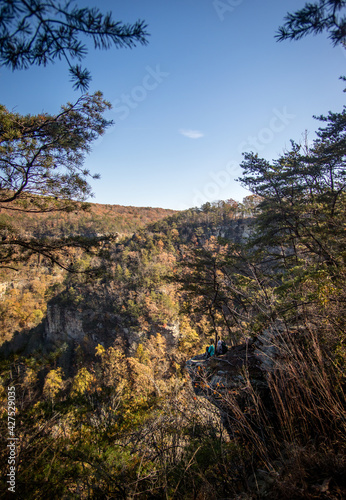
(121, 426)
(41, 160)
(315, 18)
(43, 154)
(303, 207)
(37, 32)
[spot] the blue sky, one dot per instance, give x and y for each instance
(211, 84)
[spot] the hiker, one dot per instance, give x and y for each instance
(210, 350)
(224, 347)
(219, 347)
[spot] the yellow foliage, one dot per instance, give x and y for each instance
(3, 394)
(82, 382)
(142, 376)
(142, 354)
(30, 377)
(188, 337)
(100, 350)
(53, 383)
(150, 370)
(113, 366)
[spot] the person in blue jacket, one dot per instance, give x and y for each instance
(210, 350)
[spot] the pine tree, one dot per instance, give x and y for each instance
(41, 170)
(37, 32)
(314, 18)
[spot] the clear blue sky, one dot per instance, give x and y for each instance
(211, 83)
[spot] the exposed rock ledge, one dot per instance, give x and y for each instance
(64, 324)
(252, 359)
(231, 378)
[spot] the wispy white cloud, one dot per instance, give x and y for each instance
(191, 134)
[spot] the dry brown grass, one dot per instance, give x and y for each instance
(293, 432)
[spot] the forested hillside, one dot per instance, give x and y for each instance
(26, 290)
(94, 219)
(106, 388)
(107, 407)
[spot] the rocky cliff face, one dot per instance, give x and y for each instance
(242, 370)
(63, 325)
(66, 324)
(236, 230)
(92, 320)
(257, 356)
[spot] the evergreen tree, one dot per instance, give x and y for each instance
(39, 32)
(41, 170)
(303, 194)
(314, 18)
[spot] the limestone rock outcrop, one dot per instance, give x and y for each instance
(67, 324)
